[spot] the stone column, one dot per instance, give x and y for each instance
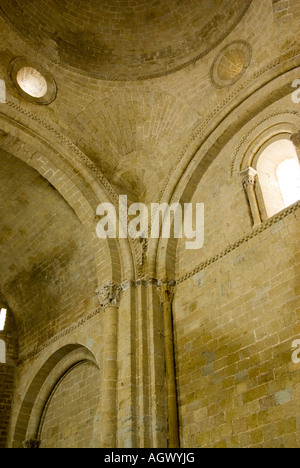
(249, 176)
(166, 293)
(109, 297)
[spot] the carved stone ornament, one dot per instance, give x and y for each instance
(249, 176)
(166, 292)
(109, 295)
(32, 444)
(231, 64)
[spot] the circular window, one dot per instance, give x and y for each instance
(32, 82)
(231, 64)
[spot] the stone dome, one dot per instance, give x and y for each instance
(124, 39)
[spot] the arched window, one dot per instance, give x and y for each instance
(278, 171)
(288, 175)
(3, 313)
(2, 352)
(272, 182)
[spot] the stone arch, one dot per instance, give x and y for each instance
(232, 116)
(81, 190)
(264, 131)
(266, 163)
(114, 259)
(39, 390)
(272, 127)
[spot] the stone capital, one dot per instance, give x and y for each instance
(249, 176)
(109, 295)
(32, 444)
(166, 292)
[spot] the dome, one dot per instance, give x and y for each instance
(124, 39)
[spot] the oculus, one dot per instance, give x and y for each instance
(231, 64)
(33, 82)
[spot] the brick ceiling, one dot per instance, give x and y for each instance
(43, 249)
(124, 39)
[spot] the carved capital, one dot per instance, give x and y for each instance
(32, 444)
(249, 176)
(166, 292)
(109, 295)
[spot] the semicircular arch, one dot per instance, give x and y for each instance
(39, 390)
(80, 189)
(187, 176)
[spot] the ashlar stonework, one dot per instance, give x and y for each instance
(140, 342)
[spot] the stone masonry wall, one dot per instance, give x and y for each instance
(237, 384)
(7, 377)
(69, 416)
(235, 321)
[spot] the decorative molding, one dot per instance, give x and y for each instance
(57, 337)
(64, 140)
(20, 62)
(231, 64)
(168, 284)
(249, 133)
(249, 176)
(166, 291)
(109, 295)
(139, 248)
(255, 232)
(207, 120)
(123, 287)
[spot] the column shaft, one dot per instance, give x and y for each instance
(110, 376)
(249, 180)
(109, 297)
(166, 297)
